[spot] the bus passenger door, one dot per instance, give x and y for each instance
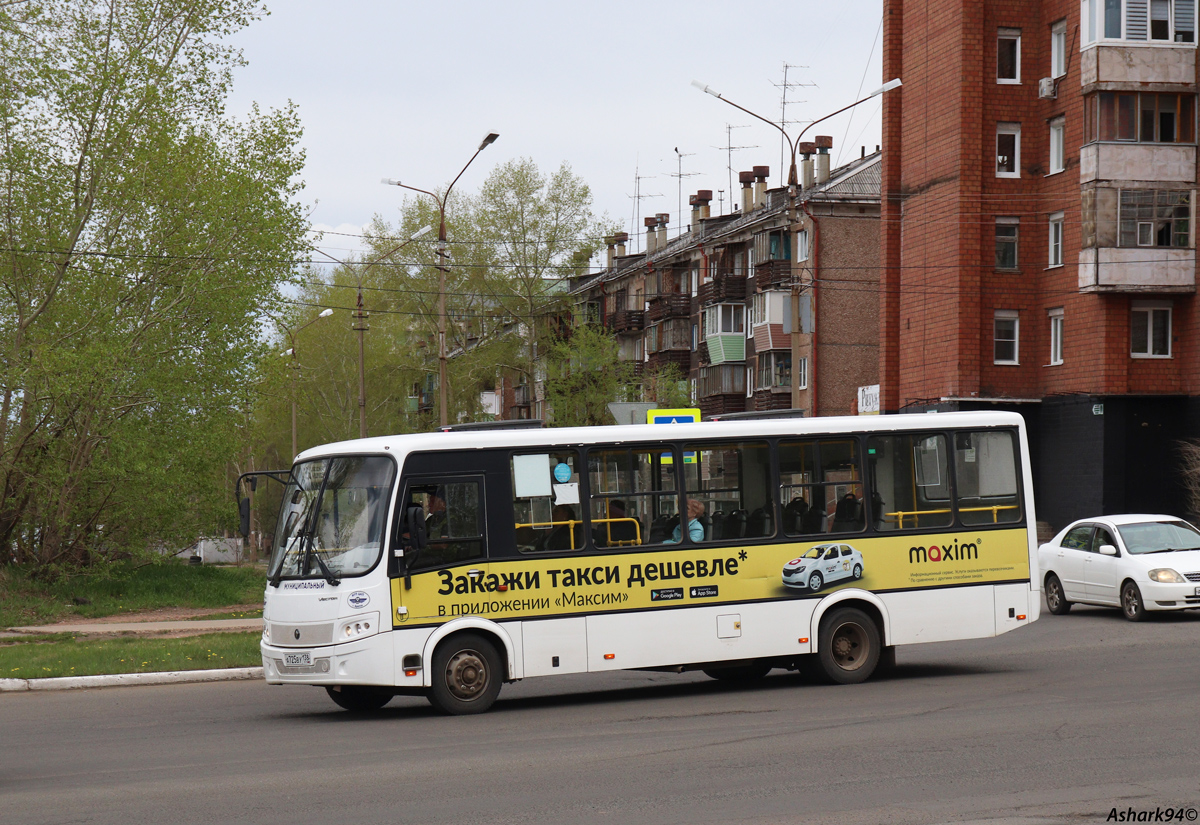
(450, 572)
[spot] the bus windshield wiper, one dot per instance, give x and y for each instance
(326, 573)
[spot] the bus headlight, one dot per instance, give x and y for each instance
(266, 631)
(1166, 575)
(358, 627)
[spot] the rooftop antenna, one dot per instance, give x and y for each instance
(679, 176)
(638, 197)
(784, 87)
(729, 149)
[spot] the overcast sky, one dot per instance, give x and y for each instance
(407, 90)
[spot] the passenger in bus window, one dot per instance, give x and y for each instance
(695, 510)
(435, 522)
(567, 533)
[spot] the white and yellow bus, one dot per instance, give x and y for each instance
(445, 564)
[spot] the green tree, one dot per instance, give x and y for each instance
(584, 374)
(145, 234)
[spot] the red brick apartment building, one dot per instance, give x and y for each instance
(1038, 241)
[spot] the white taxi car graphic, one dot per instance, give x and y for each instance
(822, 565)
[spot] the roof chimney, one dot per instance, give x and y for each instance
(746, 179)
(611, 249)
(699, 204)
(620, 239)
(824, 144)
(651, 237)
(807, 149)
(760, 186)
(663, 218)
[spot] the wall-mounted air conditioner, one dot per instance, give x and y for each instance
(1047, 88)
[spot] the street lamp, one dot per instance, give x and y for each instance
(325, 313)
(794, 220)
(489, 139)
(360, 324)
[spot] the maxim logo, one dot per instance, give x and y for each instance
(946, 552)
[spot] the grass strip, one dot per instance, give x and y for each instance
(124, 588)
(36, 658)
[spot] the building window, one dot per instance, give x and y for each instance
(724, 319)
(774, 369)
(1148, 117)
(1058, 128)
(1056, 336)
(1154, 217)
(1006, 242)
(1150, 330)
(1058, 49)
(1156, 21)
(1008, 150)
(802, 374)
(1056, 240)
(1008, 56)
(1005, 329)
(802, 245)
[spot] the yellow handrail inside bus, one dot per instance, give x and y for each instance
(608, 522)
(900, 515)
(571, 528)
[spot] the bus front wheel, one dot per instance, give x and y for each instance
(358, 698)
(466, 675)
(848, 645)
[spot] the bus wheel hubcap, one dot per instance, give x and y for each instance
(849, 647)
(466, 674)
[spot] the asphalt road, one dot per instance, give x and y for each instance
(1058, 722)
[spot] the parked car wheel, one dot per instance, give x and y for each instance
(466, 675)
(1056, 600)
(1131, 602)
(359, 698)
(815, 582)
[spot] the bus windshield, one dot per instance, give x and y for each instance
(335, 508)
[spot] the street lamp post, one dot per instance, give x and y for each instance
(794, 219)
(360, 324)
(325, 313)
(443, 407)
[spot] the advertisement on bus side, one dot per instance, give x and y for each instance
(665, 577)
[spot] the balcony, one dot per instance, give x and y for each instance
(670, 305)
(723, 288)
(1141, 269)
(772, 275)
(681, 358)
(626, 321)
(722, 405)
(725, 379)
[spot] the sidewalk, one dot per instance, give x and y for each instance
(196, 625)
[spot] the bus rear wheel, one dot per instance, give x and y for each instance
(848, 646)
(359, 698)
(466, 675)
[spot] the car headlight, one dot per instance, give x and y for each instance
(1166, 575)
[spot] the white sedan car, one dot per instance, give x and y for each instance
(1136, 562)
(821, 565)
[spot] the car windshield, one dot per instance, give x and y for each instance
(1159, 536)
(815, 553)
(335, 508)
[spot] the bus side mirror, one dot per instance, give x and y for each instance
(244, 517)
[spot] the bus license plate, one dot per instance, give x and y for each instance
(297, 659)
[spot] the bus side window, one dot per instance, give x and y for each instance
(910, 481)
(985, 464)
(453, 521)
(547, 514)
(733, 482)
(634, 500)
(821, 485)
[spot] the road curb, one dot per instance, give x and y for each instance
(124, 679)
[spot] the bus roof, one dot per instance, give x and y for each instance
(650, 433)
